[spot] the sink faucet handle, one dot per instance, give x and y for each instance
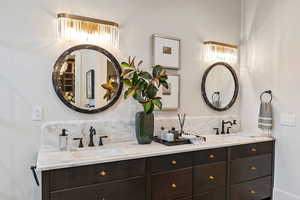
(80, 142)
(234, 122)
(100, 140)
(217, 131)
(228, 130)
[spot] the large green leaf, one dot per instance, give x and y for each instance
(163, 78)
(129, 92)
(135, 78)
(157, 103)
(165, 84)
(145, 75)
(141, 84)
(125, 64)
(147, 106)
(151, 91)
(127, 71)
(127, 82)
(157, 69)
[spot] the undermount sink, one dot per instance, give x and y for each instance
(229, 138)
(92, 152)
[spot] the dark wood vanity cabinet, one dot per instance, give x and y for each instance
(242, 172)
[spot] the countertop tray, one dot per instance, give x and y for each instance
(174, 143)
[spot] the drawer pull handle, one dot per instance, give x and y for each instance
(252, 192)
(174, 185)
(211, 156)
(211, 178)
(253, 168)
(103, 173)
(173, 162)
(253, 149)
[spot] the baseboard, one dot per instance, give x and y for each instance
(282, 195)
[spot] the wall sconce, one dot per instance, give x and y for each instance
(217, 52)
(88, 30)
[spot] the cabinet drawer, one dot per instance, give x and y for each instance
(93, 174)
(251, 150)
(133, 189)
(215, 194)
(172, 185)
(210, 156)
(171, 162)
(251, 168)
(210, 176)
(253, 190)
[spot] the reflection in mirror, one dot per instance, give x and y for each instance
(87, 78)
(220, 86)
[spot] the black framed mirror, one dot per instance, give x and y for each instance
(220, 86)
(87, 79)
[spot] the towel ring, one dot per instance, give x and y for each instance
(266, 92)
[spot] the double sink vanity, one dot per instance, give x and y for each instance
(221, 167)
(231, 167)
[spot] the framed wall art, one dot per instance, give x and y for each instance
(171, 96)
(166, 51)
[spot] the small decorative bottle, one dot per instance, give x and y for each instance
(63, 140)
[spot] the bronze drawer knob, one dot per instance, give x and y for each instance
(173, 162)
(174, 185)
(211, 178)
(252, 192)
(253, 149)
(103, 173)
(253, 168)
(211, 156)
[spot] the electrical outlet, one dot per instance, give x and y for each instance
(288, 119)
(37, 113)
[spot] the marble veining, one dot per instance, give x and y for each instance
(124, 130)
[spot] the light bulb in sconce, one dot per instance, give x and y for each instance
(220, 52)
(88, 30)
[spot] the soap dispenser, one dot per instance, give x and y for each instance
(63, 140)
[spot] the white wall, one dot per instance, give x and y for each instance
(28, 50)
(270, 60)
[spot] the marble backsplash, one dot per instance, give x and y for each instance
(118, 131)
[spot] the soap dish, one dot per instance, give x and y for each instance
(180, 141)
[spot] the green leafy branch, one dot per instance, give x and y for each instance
(143, 86)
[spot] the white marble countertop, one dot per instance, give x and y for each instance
(54, 159)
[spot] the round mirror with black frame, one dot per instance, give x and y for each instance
(220, 86)
(87, 79)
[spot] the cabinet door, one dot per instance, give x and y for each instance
(249, 150)
(216, 194)
(252, 190)
(210, 156)
(172, 185)
(210, 176)
(133, 189)
(171, 162)
(250, 168)
(93, 174)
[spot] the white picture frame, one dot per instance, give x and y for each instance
(170, 98)
(166, 51)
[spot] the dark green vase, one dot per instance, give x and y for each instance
(144, 127)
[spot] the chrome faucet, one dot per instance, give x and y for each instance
(92, 133)
(228, 122)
